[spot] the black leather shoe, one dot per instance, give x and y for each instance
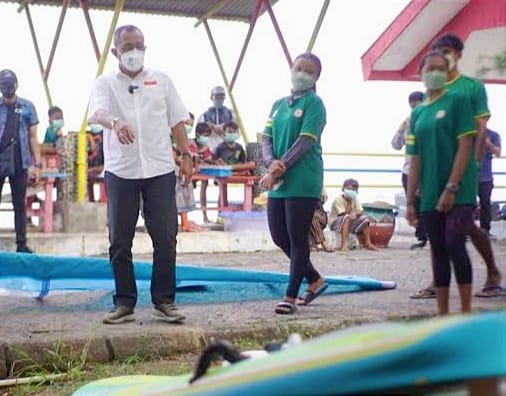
(23, 249)
(419, 245)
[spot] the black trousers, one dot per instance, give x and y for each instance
(484, 194)
(289, 223)
(447, 235)
(160, 216)
(420, 232)
(18, 184)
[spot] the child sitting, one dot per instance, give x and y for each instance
(202, 154)
(347, 216)
(320, 219)
(229, 152)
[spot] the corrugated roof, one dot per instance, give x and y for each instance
(235, 10)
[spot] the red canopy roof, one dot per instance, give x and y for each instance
(481, 24)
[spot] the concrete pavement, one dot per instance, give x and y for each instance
(71, 323)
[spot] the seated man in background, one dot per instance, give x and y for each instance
(347, 216)
(231, 153)
(217, 116)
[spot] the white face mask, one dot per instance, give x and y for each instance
(301, 81)
(132, 60)
(451, 62)
(350, 194)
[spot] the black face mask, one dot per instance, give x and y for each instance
(8, 90)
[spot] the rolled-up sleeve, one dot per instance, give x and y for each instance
(176, 110)
(100, 98)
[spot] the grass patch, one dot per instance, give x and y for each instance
(94, 371)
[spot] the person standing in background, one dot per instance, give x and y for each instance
(474, 90)
(20, 157)
(440, 141)
(486, 178)
(398, 143)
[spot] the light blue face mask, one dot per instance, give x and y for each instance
(95, 128)
(434, 80)
(231, 137)
(302, 81)
(58, 123)
(202, 140)
(189, 129)
(350, 194)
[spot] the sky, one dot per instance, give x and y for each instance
(362, 115)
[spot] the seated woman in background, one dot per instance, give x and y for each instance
(347, 216)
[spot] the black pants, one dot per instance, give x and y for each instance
(420, 232)
(160, 215)
(484, 194)
(289, 224)
(18, 184)
(447, 236)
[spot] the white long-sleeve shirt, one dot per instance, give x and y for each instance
(151, 105)
(399, 141)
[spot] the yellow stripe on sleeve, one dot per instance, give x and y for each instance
(309, 134)
(468, 133)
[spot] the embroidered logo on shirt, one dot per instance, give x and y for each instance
(150, 82)
(298, 113)
(440, 114)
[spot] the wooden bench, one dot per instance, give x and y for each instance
(45, 211)
(248, 183)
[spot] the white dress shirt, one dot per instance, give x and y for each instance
(151, 105)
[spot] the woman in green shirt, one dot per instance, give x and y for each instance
(292, 154)
(440, 141)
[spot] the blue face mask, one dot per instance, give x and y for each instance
(350, 194)
(95, 128)
(231, 137)
(202, 140)
(188, 129)
(58, 124)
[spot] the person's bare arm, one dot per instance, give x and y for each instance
(181, 138)
(495, 150)
(464, 151)
(123, 131)
(481, 130)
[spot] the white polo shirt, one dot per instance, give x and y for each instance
(151, 105)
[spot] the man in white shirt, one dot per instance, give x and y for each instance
(139, 108)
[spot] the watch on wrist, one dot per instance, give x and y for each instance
(452, 187)
(186, 154)
(114, 121)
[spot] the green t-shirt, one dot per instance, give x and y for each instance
(50, 136)
(474, 90)
(434, 135)
(304, 116)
